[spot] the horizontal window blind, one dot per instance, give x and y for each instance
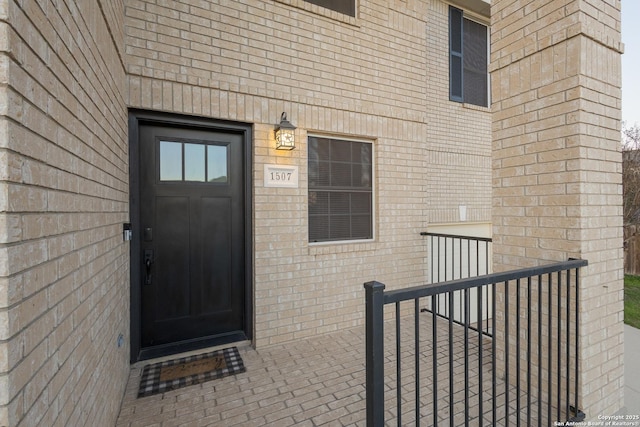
(340, 190)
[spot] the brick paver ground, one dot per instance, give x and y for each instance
(309, 382)
(321, 381)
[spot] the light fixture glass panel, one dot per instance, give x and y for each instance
(285, 139)
(170, 161)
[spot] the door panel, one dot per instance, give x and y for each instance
(171, 261)
(192, 217)
(219, 250)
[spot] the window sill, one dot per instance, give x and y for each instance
(476, 107)
(341, 246)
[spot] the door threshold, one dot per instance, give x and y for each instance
(197, 346)
(239, 344)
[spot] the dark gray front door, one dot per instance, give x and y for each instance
(192, 235)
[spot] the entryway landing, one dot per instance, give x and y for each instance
(314, 382)
(310, 382)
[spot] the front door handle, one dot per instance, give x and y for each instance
(148, 262)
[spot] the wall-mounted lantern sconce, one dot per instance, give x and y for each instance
(285, 136)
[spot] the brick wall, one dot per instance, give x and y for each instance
(382, 76)
(64, 178)
(557, 165)
(70, 69)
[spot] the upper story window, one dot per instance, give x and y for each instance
(340, 190)
(468, 59)
(348, 7)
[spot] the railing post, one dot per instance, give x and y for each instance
(375, 353)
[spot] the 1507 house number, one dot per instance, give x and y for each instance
(277, 176)
(281, 176)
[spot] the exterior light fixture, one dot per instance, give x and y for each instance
(285, 136)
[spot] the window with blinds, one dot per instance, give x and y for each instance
(468, 59)
(340, 190)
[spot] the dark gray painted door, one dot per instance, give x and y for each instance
(192, 235)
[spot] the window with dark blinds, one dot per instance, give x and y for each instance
(468, 59)
(348, 7)
(340, 190)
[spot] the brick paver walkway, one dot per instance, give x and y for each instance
(310, 382)
(320, 381)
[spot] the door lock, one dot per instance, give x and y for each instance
(148, 262)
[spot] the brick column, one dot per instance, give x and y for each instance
(556, 81)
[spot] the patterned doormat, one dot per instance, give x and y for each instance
(173, 374)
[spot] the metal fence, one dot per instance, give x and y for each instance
(632, 249)
(452, 257)
(436, 371)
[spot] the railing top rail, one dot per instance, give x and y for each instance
(456, 236)
(473, 282)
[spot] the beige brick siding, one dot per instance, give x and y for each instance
(557, 165)
(64, 273)
(69, 70)
(382, 76)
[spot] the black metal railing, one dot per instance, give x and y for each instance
(452, 257)
(526, 374)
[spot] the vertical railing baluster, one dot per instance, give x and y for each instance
(460, 266)
(480, 367)
(493, 353)
(559, 350)
(374, 336)
(432, 269)
(568, 345)
(469, 259)
(433, 264)
(436, 309)
(466, 358)
(517, 353)
(451, 362)
(493, 313)
(434, 367)
(506, 356)
(398, 366)
(446, 277)
(577, 377)
(467, 275)
(529, 283)
(446, 253)
(539, 351)
(417, 357)
(477, 257)
(462, 275)
(549, 348)
(486, 271)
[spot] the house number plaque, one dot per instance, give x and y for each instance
(281, 176)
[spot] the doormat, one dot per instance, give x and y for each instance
(173, 374)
